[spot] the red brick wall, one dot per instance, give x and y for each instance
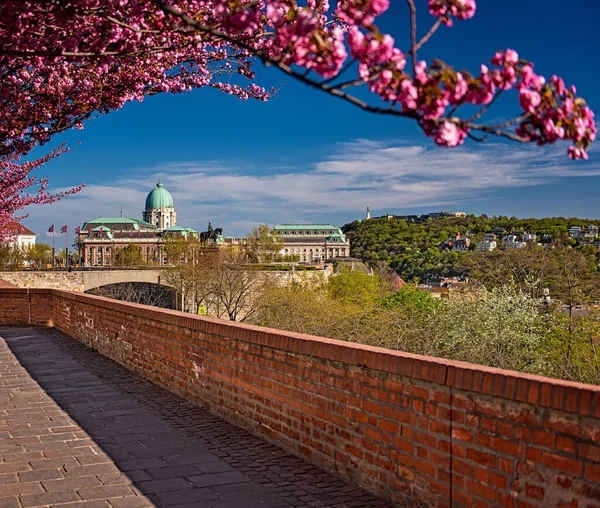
(409, 428)
(22, 307)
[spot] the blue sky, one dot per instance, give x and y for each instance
(307, 157)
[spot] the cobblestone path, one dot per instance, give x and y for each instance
(76, 429)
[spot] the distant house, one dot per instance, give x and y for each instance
(486, 246)
(529, 237)
(489, 237)
(457, 243)
(498, 231)
(23, 237)
(512, 242)
(593, 229)
(575, 232)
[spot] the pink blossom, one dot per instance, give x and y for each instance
(361, 12)
(530, 100)
(449, 134)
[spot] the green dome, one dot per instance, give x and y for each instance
(159, 198)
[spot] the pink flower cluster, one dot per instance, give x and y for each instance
(447, 9)
(554, 112)
(305, 41)
(361, 12)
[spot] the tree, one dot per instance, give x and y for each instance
(12, 257)
(64, 63)
(131, 255)
(39, 255)
(218, 278)
(16, 181)
(263, 244)
(231, 288)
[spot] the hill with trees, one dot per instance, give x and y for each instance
(413, 250)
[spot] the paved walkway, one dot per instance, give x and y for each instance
(79, 430)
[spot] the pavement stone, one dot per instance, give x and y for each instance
(77, 429)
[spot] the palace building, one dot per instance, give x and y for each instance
(313, 243)
(100, 240)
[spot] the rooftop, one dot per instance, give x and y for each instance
(19, 229)
(117, 221)
(305, 226)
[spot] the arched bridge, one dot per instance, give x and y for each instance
(81, 280)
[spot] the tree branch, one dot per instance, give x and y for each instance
(413, 33)
(428, 35)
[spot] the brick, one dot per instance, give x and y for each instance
(482, 458)
(70, 483)
(462, 434)
(43, 474)
(592, 472)
(210, 480)
(588, 451)
(21, 489)
(534, 491)
(563, 463)
(104, 492)
(48, 498)
(165, 485)
(9, 502)
(566, 444)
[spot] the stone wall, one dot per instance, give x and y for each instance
(83, 280)
(420, 431)
(69, 281)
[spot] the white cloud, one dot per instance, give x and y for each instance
(387, 177)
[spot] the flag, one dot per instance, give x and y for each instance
(90, 230)
(64, 229)
(51, 230)
(77, 230)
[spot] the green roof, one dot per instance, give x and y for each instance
(103, 229)
(159, 198)
(119, 220)
(305, 226)
(179, 229)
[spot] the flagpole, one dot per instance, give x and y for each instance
(67, 247)
(53, 251)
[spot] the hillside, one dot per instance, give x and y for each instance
(412, 248)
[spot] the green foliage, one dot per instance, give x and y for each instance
(39, 255)
(12, 257)
(263, 244)
(129, 256)
(354, 287)
(409, 297)
(501, 328)
(412, 248)
(505, 327)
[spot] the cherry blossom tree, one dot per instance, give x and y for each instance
(15, 180)
(65, 62)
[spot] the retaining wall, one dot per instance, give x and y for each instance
(417, 430)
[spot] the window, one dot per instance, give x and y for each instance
(99, 249)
